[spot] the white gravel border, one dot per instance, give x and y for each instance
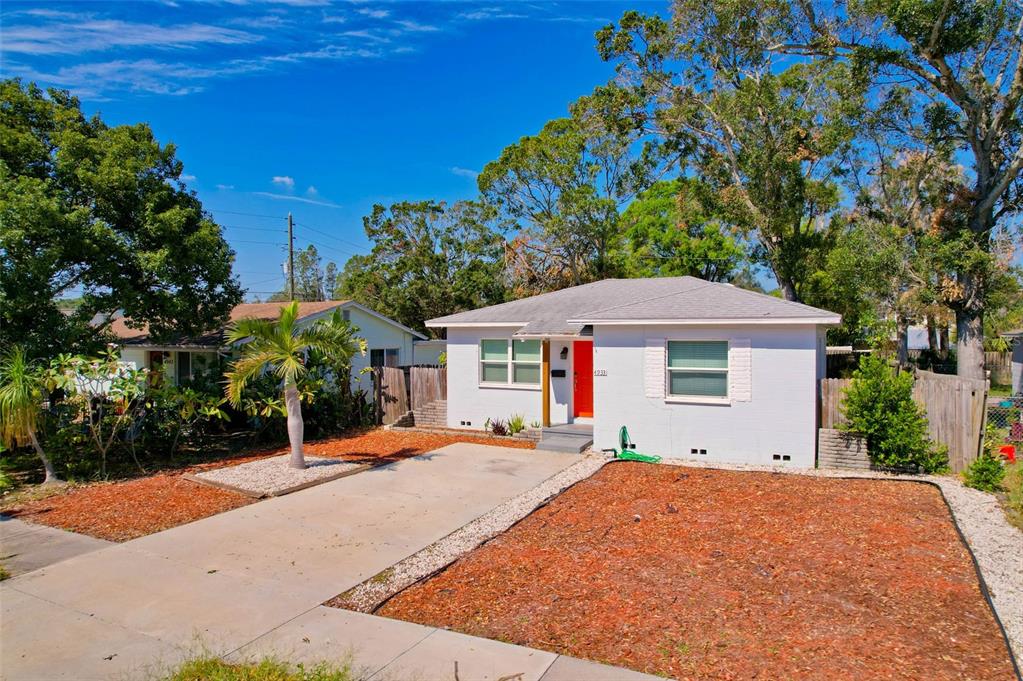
(273, 476)
(996, 545)
(370, 594)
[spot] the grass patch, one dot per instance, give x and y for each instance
(4, 574)
(1013, 499)
(208, 668)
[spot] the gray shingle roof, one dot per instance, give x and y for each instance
(617, 300)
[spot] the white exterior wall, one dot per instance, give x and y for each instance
(470, 404)
(136, 358)
(428, 351)
(779, 418)
(379, 335)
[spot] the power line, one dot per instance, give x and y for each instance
(251, 215)
(253, 229)
(328, 235)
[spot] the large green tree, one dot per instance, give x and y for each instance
(960, 61)
(673, 229)
(99, 212)
(313, 280)
(767, 133)
(428, 259)
(564, 189)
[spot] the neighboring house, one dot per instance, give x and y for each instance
(428, 352)
(388, 342)
(694, 369)
(1016, 338)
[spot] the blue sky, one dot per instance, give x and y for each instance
(318, 108)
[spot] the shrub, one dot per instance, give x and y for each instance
(516, 423)
(498, 427)
(879, 405)
(985, 473)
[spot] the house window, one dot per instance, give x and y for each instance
(516, 362)
(184, 367)
(698, 368)
(383, 357)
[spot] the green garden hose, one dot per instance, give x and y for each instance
(628, 453)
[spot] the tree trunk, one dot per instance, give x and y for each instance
(932, 336)
(51, 475)
(969, 344)
(902, 340)
(943, 340)
(296, 427)
(788, 289)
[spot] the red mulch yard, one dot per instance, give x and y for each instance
(695, 573)
(119, 511)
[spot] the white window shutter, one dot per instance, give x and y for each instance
(740, 370)
(654, 369)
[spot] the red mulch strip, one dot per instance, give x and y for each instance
(119, 511)
(695, 573)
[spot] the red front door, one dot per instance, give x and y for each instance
(582, 379)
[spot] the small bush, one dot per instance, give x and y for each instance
(879, 405)
(985, 474)
(209, 668)
(516, 423)
(498, 427)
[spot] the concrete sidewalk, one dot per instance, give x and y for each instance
(250, 578)
(25, 547)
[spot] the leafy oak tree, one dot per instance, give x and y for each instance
(672, 229)
(564, 189)
(428, 259)
(765, 132)
(960, 61)
(100, 210)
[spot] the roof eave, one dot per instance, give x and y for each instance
(831, 320)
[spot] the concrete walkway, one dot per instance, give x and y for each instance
(253, 579)
(25, 547)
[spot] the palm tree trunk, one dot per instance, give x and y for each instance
(296, 427)
(51, 475)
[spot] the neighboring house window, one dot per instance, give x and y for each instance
(383, 357)
(517, 362)
(184, 367)
(698, 368)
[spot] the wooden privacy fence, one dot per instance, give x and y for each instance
(390, 394)
(1000, 366)
(955, 411)
(429, 384)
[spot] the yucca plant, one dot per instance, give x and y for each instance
(283, 349)
(22, 391)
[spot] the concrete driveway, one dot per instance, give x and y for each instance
(231, 582)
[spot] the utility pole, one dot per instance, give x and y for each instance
(291, 257)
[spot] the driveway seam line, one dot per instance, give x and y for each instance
(433, 631)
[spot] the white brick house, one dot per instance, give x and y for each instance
(695, 369)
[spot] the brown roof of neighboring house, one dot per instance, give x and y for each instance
(215, 337)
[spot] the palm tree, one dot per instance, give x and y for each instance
(22, 387)
(284, 349)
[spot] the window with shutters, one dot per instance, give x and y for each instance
(697, 368)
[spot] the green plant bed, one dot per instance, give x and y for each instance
(1012, 497)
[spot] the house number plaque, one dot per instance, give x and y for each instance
(600, 372)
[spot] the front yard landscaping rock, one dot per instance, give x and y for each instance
(274, 476)
(729, 574)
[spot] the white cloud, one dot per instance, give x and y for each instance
(185, 177)
(225, 187)
(291, 197)
(416, 27)
(464, 172)
(312, 191)
(374, 13)
(78, 35)
(284, 181)
(488, 13)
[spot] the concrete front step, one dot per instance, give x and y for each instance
(557, 442)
